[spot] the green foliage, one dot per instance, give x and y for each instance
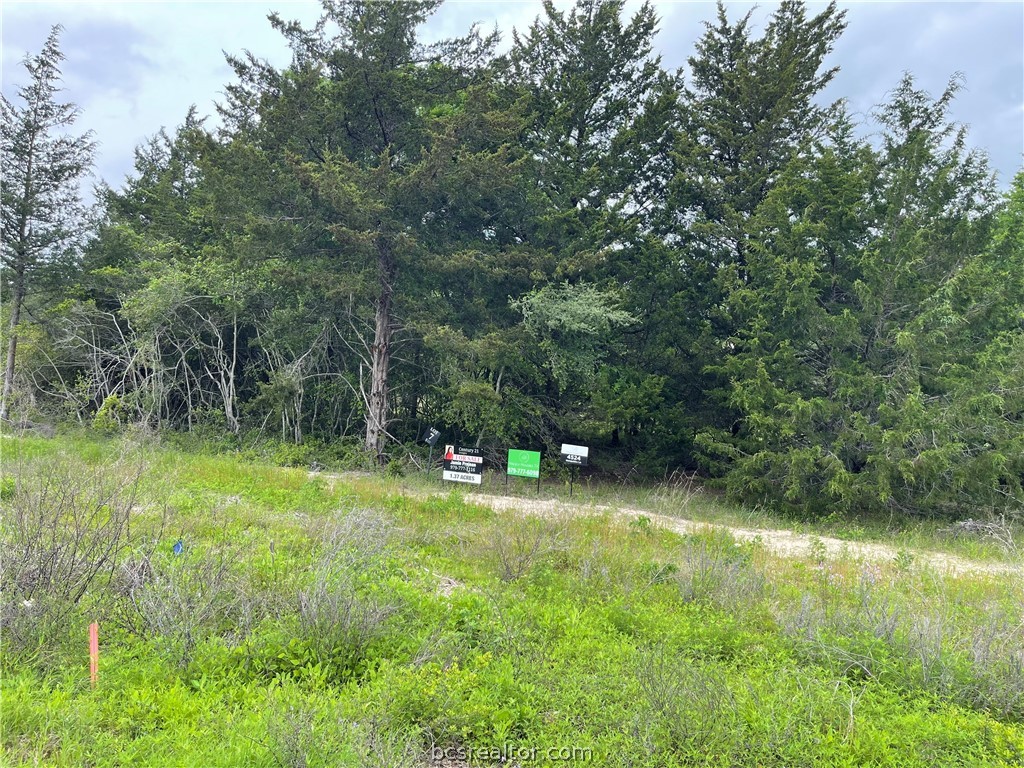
(292, 455)
(574, 324)
(847, 390)
(563, 242)
(321, 630)
(43, 218)
(111, 415)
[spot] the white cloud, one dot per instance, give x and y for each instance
(136, 66)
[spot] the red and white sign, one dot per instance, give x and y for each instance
(463, 466)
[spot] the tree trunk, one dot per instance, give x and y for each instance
(12, 342)
(21, 247)
(231, 409)
(226, 375)
(380, 354)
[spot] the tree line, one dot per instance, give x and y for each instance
(717, 272)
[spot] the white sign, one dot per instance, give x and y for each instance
(461, 477)
(463, 466)
(575, 454)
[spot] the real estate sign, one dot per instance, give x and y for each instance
(575, 455)
(523, 463)
(463, 466)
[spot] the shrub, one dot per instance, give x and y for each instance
(183, 599)
(292, 738)
(976, 661)
(523, 541)
(301, 737)
(717, 571)
(111, 415)
(691, 707)
(357, 538)
(292, 454)
(336, 621)
(67, 525)
(996, 651)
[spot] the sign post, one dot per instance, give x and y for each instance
(94, 653)
(431, 438)
(574, 456)
(523, 464)
(463, 466)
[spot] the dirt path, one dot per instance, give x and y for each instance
(779, 542)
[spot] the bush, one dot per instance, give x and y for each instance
(67, 526)
(183, 599)
(336, 621)
(716, 570)
(300, 737)
(977, 662)
(111, 416)
(692, 707)
(522, 541)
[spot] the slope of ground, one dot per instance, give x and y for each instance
(256, 616)
(782, 543)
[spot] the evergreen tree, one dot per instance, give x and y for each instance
(398, 152)
(42, 166)
(597, 98)
(749, 110)
(847, 365)
(601, 118)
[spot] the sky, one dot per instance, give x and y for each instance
(134, 67)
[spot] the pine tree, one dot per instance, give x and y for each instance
(397, 151)
(876, 335)
(600, 128)
(43, 218)
(599, 104)
(750, 109)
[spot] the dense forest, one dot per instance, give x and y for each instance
(708, 271)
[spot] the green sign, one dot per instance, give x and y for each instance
(523, 463)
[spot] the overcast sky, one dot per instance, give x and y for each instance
(133, 67)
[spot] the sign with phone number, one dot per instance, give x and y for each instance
(523, 463)
(463, 466)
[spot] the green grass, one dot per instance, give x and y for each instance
(700, 503)
(362, 622)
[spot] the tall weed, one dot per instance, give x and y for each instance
(180, 600)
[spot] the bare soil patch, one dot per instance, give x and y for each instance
(780, 542)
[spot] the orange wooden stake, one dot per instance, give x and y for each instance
(94, 652)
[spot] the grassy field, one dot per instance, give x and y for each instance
(312, 621)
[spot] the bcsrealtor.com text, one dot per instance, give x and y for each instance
(510, 752)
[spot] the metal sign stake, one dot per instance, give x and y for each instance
(431, 437)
